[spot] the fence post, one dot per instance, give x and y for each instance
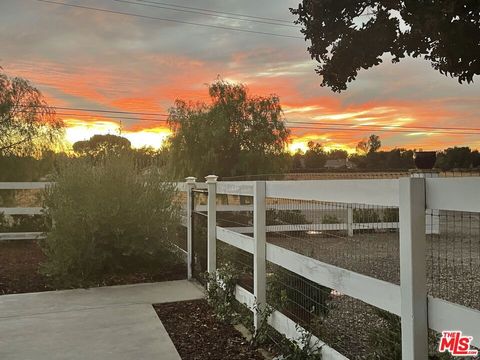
(259, 254)
(350, 219)
(413, 278)
(212, 223)
(432, 225)
(190, 186)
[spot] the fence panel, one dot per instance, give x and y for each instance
(334, 249)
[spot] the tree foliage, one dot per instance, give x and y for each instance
(27, 123)
(237, 134)
(395, 159)
(458, 158)
(347, 36)
(102, 145)
(370, 145)
(315, 157)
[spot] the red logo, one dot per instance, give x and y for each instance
(456, 344)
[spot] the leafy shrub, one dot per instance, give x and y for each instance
(108, 218)
(303, 349)
(221, 292)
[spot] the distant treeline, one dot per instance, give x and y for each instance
(397, 159)
(27, 168)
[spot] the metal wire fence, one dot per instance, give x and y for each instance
(453, 256)
(241, 260)
(357, 237)
(199, 235)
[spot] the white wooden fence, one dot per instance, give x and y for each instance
(22, 210)
(409, 300)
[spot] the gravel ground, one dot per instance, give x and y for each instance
(453, 256)
(453, 272)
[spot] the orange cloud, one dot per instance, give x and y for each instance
(336, 121)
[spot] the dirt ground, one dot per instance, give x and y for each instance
(198, 335)
(20, 262)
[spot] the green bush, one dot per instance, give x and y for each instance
(221, 292)
(108, 218)
(365, 216)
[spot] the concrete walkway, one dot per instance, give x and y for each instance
(106, 323)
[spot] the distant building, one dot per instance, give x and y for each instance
(339, 164)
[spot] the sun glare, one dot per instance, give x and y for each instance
(301, 145)
(78, 130)
(296, 146)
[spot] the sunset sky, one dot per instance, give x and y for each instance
(81, 58)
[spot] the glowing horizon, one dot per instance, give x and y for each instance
(107, 61)
(80, 130)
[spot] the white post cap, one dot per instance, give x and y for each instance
(211, 179)
(190, 180)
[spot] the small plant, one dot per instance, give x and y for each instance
(261, 333)
(284, 290)
(304, 348)
(221, 292)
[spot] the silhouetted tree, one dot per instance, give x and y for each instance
(236, 134)
(337, 154)
(457, 158)
(100, 145)
(371, 145)
(297, 160)
(27, 123)
(315, 156)
(395, 159)
(347, 36)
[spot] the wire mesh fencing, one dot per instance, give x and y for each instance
(453, 256)
(353, 328)
(199, 234)
(237, 215)
(357, 237)
(180, 238)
